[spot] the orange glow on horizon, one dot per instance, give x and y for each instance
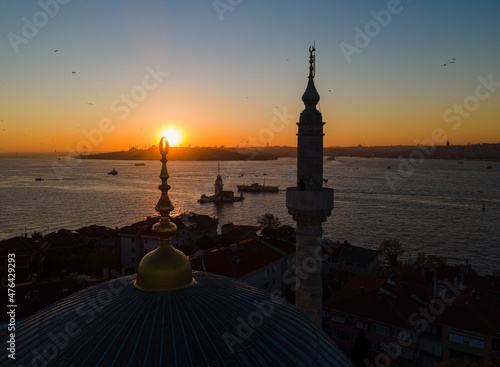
(174, 135)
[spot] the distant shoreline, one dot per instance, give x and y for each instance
(458, 152)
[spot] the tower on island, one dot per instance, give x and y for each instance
(309, 202)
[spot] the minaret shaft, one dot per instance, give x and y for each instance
(309, 203)
(308, 297)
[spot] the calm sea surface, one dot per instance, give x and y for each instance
(437, 209)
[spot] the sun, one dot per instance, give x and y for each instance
(174, 135)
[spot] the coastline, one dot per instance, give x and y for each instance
(488, 152)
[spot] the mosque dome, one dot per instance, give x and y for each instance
(217, 321)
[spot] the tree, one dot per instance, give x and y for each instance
(268, 220)
(390, 249)
(37, 235)
(361, 351)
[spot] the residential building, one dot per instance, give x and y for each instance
(137, 239)
(248, 261)
(64, 242)
(29, 254)
(382, 310)
(231, 233)
(455, 315)
(347, 257)
(102, 238)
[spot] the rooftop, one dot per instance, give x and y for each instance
(20, 244)
(361, 296)
(358, 254)
(236, 260)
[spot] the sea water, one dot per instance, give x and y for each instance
(436, 208)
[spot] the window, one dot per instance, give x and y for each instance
(342, 335)
(133, 249)
(468, 340)
(133, 239)
(402, 334)
(407, 353)
(377, 347)
(266, 285)
(381, 329)
(434, 329)
(340, 319)
(495, 344)
(146, 241)
(145, 251)
(361, 325)
(132, 260)
(349, 263)
(274, 281)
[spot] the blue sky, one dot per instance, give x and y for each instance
(229, 71)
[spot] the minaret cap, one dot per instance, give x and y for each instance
(311, 96)
(165, 268)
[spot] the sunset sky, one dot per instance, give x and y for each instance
(232, 72)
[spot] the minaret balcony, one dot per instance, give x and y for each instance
(309, 206)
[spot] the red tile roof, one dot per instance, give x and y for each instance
(237, 260)
(282, 245)
(473, 311)
(368, 303)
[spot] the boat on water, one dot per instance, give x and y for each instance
(38, 179)
(140, 164)
(256, 187)
(113, 172)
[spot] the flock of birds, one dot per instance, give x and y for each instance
(452, 61)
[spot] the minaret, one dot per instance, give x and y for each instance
(309, 203)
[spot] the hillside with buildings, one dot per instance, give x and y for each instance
(464, 152)
(416, 313)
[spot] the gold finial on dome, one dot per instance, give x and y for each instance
(165, 268)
